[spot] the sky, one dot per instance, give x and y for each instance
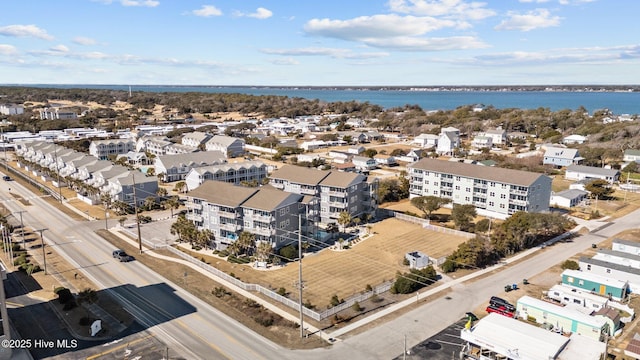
(320, 43)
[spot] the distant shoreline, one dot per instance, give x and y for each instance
(442, 88)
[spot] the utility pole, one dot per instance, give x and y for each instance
(4, 147)
(300, 285)
(22, 228)
(135, 210)
(44, 252)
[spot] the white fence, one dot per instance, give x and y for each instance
(427, 224)
(294, 304)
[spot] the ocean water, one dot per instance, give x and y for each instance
(618, 102)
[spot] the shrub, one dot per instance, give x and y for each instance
(220, 292)
(309, 305)
(289, 252)
(282, 291)
(405, 262)
(368, 288)
(265, 321)
(223, 253)
(356, 307)
(413, 280)
(335, 301)
(570, 265)
(448, 266)
(252, 303)
(20, 260)
(65, 296)
(336, 319)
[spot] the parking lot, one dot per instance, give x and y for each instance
(445, 345)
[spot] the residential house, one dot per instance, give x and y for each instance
(341, 157)
(628, 246)
(356, 149)
(574, 139)
(154, 145)
(482, 142)
(228, 210)
(11, 109)
(448, 141)
(57, 114)
(195, 139)
(385, 160)
(568, 198)
(560, 157)
(364, 163)
(102, 149)
(246, 171)
(176, 167)
(338, 191)
(564, 318)
(176, 149)
(498, 136)
(614, 270)
(603, 285)
(426, 140)
(631, 155)
(121, 187)
(135, 158)
(313, 145)
(567, 295)
(581, 172)
(619, 257)
(494, 191)
(228, 145)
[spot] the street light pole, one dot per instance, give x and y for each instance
(135, 210)
(300, 274)
(44, 252)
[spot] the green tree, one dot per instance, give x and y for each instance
(462, 215)
(263, 250)
(429, 204)
(87, 296)
(172, 203)
(599, 188)
(370, 153)
(246, 241)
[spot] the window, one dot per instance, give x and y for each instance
(588, 266)
(577, 301)
(570, 279)
(580, 282)
(608, 271)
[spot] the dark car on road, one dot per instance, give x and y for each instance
(122, 256)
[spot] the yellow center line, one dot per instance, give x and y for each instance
(213, 346)
(118, 348)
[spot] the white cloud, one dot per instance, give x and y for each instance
(535, 19)
(394, 32)
(458, 9)
(81, 40)
(319, 51)
(59, 48)
(207, 11)
(8, 49)
(535, 1)
(376, 26)
(574, 2)
(260, 13)
(25, 31)
(143, 3)
(285, 61)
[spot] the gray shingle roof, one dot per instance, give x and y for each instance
(222, 193)
(501, 175)
(199, 158)
(592, 170)
(562, 153)
(342, 179)
(299, 175)
(615, 266)
(571, 193)
(270, 199)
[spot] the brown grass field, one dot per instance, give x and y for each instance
(344, 273)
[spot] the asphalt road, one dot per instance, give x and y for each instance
(194, 330)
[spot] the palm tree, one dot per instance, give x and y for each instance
(344, 219)
(203, 238)
(180, 186)
(150, 202)
(162, 192)
(87, 296)
(172, 203)
(246, 241)
(263, 250)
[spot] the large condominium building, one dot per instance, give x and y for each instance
(495, 192)
(337, 191)
(103, 148)
(228, 210)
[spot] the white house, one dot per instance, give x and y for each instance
(631, 155)
(364, 163)
(426, 140)
(448, 140)
(356, 149)
(228, 145)
(482, 142)
(568, 198)
(580, 172)
(498, 136)
(574, 139)
(558, 156)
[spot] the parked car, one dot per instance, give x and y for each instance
(122, 255)
(500, 310)
(499, 302)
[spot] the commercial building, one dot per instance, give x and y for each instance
(499, 337)
(494, 191)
